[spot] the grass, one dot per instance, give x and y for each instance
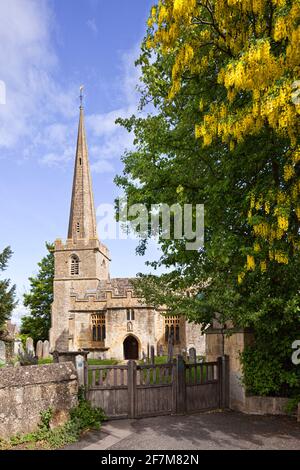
(158, 360)
(49, 360)
(102, 362)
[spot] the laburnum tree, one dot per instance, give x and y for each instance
(254, 45)
(198, 147)
(7, 291)
(39, 299)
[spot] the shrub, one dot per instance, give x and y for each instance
(27, 359)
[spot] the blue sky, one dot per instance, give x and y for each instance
(48, 48)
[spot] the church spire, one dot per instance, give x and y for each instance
(82, 222)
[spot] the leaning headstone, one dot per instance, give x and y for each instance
(46, 348)
(192, 356)
(152, 355)
(2, 352)
(30, 346)
(161, 350)
(39, 349)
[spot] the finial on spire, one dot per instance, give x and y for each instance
(81, 95)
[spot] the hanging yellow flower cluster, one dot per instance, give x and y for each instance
(260, 39)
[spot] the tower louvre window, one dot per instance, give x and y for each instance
(74, 265)
(98, 327)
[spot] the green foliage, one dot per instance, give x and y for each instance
(46, 417)
(86, 417)
(7, 292)
(39, 299)
(167, 166)
(27, 358)
(49, 360)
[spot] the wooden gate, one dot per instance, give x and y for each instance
(136, 391)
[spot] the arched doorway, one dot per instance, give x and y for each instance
(131, 348)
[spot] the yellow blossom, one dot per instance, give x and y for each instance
(250, 263)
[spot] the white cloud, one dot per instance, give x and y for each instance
(38, 118)
(102, 166)
(19, 312)
(58, 159)
(28, 68)
(109, 140)
(91, 24)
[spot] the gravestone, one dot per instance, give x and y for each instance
(39, 349)
(148, 353)
(46, 348)
(144, 357)
(30, 346)
(152, 355)
(80, 369)
(18, 347)
(170, 348)
(192, 356)
(2, 352)
(161, 350)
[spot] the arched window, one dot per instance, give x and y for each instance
(98, 327)
(74, 265)
(172, 329)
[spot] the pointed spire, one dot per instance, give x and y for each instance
(82, 222)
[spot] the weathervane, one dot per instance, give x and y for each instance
(81, 95)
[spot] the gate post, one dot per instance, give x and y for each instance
(180, 386)
(131, 380)
(86, 379)
(223, 379)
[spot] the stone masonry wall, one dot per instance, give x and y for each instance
(27, 391)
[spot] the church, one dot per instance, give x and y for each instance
(92, 311)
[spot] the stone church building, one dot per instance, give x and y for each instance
(92, 311)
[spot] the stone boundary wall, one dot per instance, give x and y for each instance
(256, 405)
(27, 391)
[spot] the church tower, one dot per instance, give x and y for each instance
(82, 261)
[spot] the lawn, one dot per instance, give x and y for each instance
(103, 362)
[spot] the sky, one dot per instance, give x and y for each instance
(48, 48)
